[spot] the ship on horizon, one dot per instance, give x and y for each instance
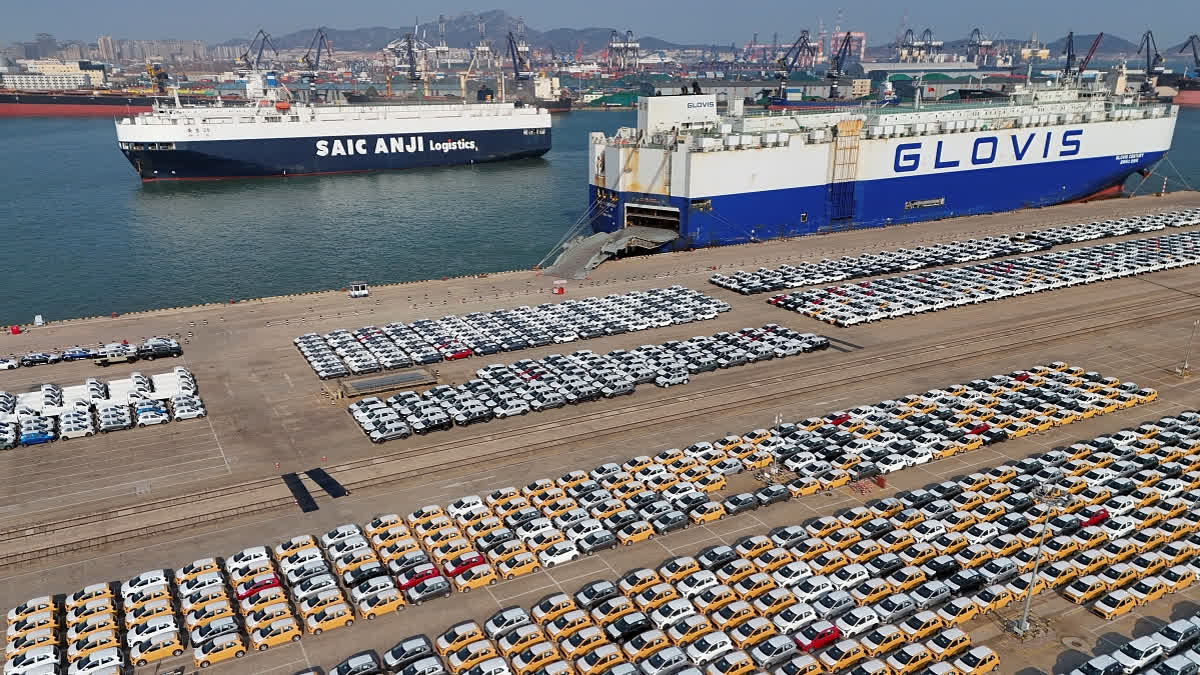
(272, 135)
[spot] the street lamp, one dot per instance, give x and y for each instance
(1187, 354)
(1055, 498)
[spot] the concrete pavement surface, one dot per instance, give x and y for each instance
(268, 416)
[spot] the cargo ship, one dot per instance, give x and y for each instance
(273, 135)
(100, 103)
(688, 176)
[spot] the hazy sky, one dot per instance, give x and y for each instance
(693, 21)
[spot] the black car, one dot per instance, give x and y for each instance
(434, 587)
(1121, 486)
(601, 539)
(407, 651)
(713, 557)
(884, 565)
(875, 528)
(739, 503)
(941, 567)
(691, 500)
(669, 522)
(362, 663)
(620, 519)
(593, 593)
(1011, 523)
(36, 359)
(993, 435)
(965, 582)
(158, 350)
(627, 626)
(356, 576)
(864, 471)
(915, 499)
(772, 494)
(946, 490)
(1024, 483)
(408, 561)
(642, 499)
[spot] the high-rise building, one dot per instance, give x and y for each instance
(47, 45)
(108, 48)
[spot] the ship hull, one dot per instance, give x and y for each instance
(1189, 98)
(277, 157)
(757, 216)
(34, 104)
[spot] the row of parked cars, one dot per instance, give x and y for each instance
(1171, 650)
(530, 385)
(765, 280)
(892, 297)
(152, 348)
(82, 418)
(398, 345)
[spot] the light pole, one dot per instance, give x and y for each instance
(1054, 497)
(1187, 354)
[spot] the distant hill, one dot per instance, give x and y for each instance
(462, 31)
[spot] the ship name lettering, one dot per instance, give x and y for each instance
(986, 150)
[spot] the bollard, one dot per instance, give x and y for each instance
(322, 458)
(276, 465)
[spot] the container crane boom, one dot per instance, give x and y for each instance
(837, 66)
(521, 69)
(1154, 60)
(1091, 52)
(1194, 43)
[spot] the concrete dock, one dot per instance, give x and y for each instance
(109, 507)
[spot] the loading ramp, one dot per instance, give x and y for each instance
(583, 254)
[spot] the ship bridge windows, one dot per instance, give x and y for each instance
(652, 215)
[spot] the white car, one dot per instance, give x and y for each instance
(9, 364)
(76, 431)
(857, 621)
(891, 463)
(794, 617)
(1137, 654)
(189, 412)
(709, 647)
(371, 587)
(151, 418)
(143, 580)
(557, 554)
(97, 662)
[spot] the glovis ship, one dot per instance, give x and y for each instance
(276, 136)
(688, 177)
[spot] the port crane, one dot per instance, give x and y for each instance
(800, 53)
(158, 76)
(1154, 61)
(1088, 59)
(1194, 43)
(263, 39)
(521, 68)
(312, 61)
(837, 66)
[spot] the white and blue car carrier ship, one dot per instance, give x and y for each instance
(688, 177)
(275, 136)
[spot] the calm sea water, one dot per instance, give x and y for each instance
(81, 235)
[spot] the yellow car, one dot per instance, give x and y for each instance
(921, 625)
(582, 642)
(399, 548)
(687, 630)
(156, 649)
(634, 532)
(677, 568)
(384, 602)
(274, 634)
(218, 650)
(518, 565)
(1148, 590)
(882, 639)
(872, 591)
(646, 644)
(544, 540)
(654, 597)
(568, 624)
(477, 577)
(710, 483)
(958, 611)
(977, 661)
(864, 550)
(333, 616)
(707, 513)
(1116, 603)
(424, 515)
(471, 655)
(732, 614)
(534, 657)
(751, 632)
(714, 598)
(599, 660)
(842, 656)
(829, 562)
(909, 659)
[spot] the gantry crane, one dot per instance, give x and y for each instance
(1194, 43)
(837, 66)
(521, 68)
(801, 53)
(1154, 61)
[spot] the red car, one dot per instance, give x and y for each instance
(459, 564)
(416, 575)
(1020, 375)
(978, 428)
(456, 354)
(1093, 516)
(259, 583)
(816, 635)
(775, 299)
(839, 419)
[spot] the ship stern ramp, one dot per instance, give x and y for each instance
(583, 254)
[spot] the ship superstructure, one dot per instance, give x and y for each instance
(276, 136)
(691, 177)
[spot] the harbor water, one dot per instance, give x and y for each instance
(83, 236)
